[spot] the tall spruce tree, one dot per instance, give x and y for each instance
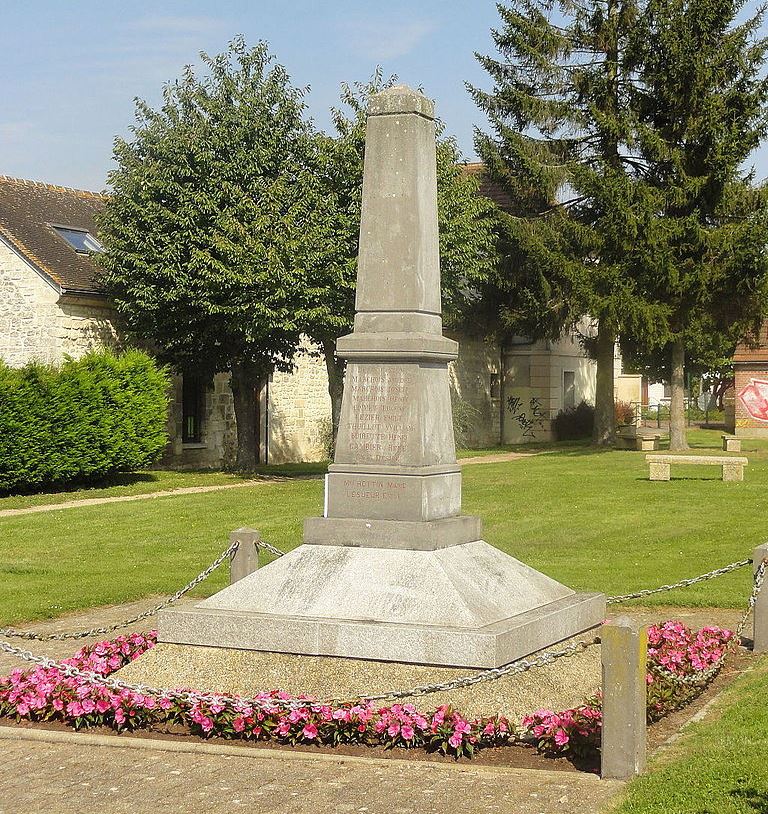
(702, 255)
(466, 220)
(561, 145)
(204, 229)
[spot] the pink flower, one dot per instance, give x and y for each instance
(309, 732)
(561, 738)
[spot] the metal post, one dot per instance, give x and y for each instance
(245, 560)
(760, 611)
(624, 655)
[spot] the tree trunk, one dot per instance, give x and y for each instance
(335, 368)
(605, 416)
(245, 381)
(677, 438)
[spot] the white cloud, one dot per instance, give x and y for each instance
(385, 39)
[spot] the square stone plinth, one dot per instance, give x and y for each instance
(467, 605)
(489, 646)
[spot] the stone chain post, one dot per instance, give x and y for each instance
(245, 560)
(760, 611)
(624, 655)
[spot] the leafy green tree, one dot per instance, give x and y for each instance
(701, 106)
(204, 231)
(562, 130)
(466, 222)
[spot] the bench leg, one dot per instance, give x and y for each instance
(660, 471)
(733, 472)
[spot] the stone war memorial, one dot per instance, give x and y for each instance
(393, 571)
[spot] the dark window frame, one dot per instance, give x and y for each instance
(192, 408)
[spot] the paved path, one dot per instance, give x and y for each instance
(192, 490)
(67, 777)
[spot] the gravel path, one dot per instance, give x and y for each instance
(97, 501)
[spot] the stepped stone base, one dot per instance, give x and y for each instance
(466, 605)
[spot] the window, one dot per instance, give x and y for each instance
(569, 389)
(191, 409)
(81, 240)
(495, 386)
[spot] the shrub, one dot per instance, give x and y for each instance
(90, 417)
(624, 413)
(574, 423)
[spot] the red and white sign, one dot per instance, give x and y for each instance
(754, 397)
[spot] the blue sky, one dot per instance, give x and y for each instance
(70, 69)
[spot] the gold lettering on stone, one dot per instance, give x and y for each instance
(379, 424)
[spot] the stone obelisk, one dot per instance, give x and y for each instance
(392, 570)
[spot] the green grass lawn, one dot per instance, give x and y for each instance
(148, 481)
(719, 766)
(590, 519)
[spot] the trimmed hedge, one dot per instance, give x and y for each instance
(90, 417)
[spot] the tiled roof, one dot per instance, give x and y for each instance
(753, 351)
(489, 188)
(27, 208)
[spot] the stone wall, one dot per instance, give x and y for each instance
(218, 443)
(28, 313)
(300, 410)
(533, 390)
(38, 324)
(476, 391)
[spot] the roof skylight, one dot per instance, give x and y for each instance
(81, 240)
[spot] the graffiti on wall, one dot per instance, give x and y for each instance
(754, 399)
(528, 415)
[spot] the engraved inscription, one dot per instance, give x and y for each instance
(374, 489)
(379, 426)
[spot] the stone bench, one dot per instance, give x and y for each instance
(733, 468)
(731, 443)
(639, 442)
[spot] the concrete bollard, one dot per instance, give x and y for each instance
(245, 560)
(624, 656)
(760, 611)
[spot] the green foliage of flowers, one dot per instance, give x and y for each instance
(101, 414)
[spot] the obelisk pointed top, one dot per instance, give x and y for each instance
(401, 99)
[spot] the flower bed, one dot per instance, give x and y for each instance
(44, 694)
(672, 646)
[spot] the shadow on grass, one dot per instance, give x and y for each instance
(118, 479)
(756, 799)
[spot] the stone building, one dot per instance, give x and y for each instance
(51, 307)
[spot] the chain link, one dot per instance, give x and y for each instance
(492, 674)
(100, 631)
(684, 583)
(698, 679)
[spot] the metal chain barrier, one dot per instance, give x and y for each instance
(703, 677)
(492, 674)
(684, 583)
(98, 631)
(516, 667)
